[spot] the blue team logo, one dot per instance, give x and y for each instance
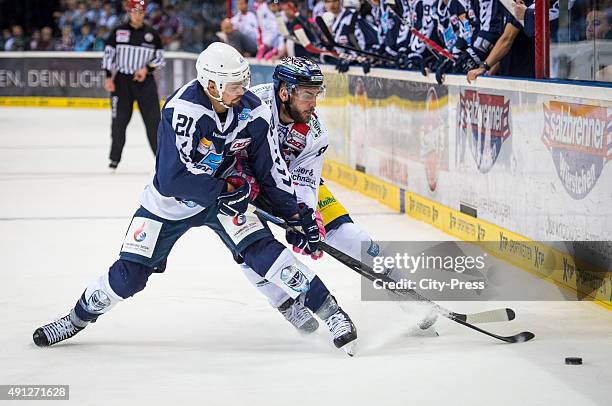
(295, 279)
(98, 301)
(139, 234)
(245, 114)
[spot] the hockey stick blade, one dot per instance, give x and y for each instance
(489, 316)
(330, 39)
(368, 273)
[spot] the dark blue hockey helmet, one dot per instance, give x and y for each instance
(297, 71)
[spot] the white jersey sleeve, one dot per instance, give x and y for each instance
(303, 148)
(306, 168)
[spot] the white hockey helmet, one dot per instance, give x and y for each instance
(356, 4)
(224, 65)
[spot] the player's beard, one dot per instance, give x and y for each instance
(301, 117)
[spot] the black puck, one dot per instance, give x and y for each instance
(573, 361)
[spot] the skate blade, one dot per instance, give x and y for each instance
(349, 348)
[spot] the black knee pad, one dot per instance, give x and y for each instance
(127, 278)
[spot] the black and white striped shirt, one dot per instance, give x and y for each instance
(128, 49)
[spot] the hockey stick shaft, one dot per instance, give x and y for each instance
(427, 41)
(368, 273)
(305, 42)
(330, 39)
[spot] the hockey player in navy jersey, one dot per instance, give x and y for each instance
(303, 137)
(206, 125)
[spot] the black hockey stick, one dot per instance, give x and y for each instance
(330, 40)
(368, 273)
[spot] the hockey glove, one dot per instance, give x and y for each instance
(442, 69)
(342, 65)
(243, 170)
(467, 61)
(237, 201)
(415, 62)
(319, 253)
(306, 236)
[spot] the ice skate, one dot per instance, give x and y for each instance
(342, 329)
(299, 316)
(59, 330)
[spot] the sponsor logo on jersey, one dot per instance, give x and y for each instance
(98, 301)
(296, 137)
(139, 233)
(148, 37)
(211, 158)
(204, 146)
(484, 121)
(326, 202)
(579, 138)
(295, 279)
(189, 203)
(122, 36)
(315, 126)
(239, 220)
(245, 114)
(239, 144)
(301, 176)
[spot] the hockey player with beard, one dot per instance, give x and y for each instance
(206, 125)
(292, 97)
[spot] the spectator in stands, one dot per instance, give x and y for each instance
(598, 25)
(245, 21)
(66, 42)
(79, 18)
(318, 9)
(101, 35)
(332, 10)
(170, 29)
(6, 35)
(272, 43)
(243, 44)
(34, 40)
(17, 41)
(94, 13)
(46, 42)
(67, 15)
(85, 40)
(108, 17)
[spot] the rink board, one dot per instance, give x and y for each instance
(519, 160)
(528, 159)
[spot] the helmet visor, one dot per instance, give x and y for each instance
(237, 88)
(309, 93)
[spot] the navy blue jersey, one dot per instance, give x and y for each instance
(197, 149)
(488, 25)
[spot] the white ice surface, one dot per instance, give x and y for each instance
(200, 334)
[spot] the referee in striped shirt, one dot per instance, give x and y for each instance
(131, 53)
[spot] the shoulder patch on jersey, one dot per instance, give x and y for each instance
(250, 100)
(245, 114)
(122, 36)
